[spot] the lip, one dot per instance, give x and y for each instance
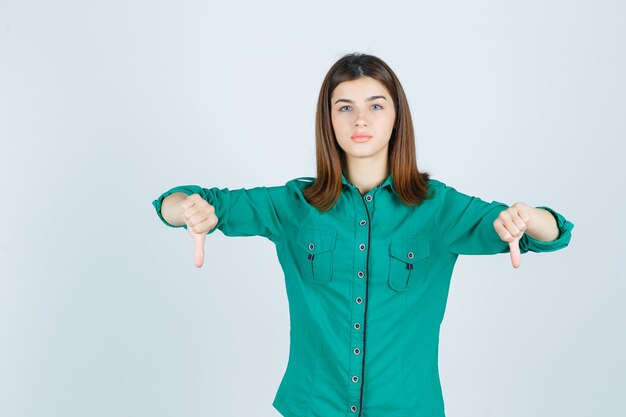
(361, 137)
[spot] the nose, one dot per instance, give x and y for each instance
(360, 120)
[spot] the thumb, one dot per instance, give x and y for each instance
(516, 256)
(198, 247)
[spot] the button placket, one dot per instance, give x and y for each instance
(361, 253)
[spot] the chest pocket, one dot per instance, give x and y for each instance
(408, 261)
(315, 252)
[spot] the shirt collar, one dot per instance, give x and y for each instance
(388, 182)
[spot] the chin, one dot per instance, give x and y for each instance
(361, 155)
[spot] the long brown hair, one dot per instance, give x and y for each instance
(410, 184)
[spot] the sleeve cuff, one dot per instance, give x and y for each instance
(187, 189)
(565, 227)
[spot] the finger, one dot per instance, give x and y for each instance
(519, 223)
(507, 230)
(524, 211)
(194, 216)
(509, 223)
(516, 256)
(190, 200)
(198, 248)
(186, 203)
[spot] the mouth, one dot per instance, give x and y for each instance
(361, 137)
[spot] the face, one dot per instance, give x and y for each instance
(362, 107)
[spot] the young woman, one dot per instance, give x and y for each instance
(367, 248)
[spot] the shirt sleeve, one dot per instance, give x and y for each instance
(466, 226)
(240, 212)
(565, 227)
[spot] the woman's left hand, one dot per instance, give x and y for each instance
(511, 225)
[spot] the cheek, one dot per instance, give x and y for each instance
(390, 122)
(338, 124)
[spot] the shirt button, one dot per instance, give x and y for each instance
(357, 326)
(360, 274)
(359, 300)
(368, 197)
(353, 408)
(361, 246)
(410, 255)
(355, 379)
(357, 351)
(363, 222)
(311, 246)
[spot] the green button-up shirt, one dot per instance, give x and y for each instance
(367, 284)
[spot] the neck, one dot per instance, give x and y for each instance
(364, 174)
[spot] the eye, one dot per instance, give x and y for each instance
(377, 105)
(342, 108)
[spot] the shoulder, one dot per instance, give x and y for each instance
(306, 180)
(300, 183)
(436, 187)
(292, 184)
(433, 183)
(442, 192)
(290, 190)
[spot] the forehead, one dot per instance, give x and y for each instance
(360, 88)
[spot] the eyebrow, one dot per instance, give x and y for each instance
(345, 100)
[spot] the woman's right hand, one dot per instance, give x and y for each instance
(200, 218)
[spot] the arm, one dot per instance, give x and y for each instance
(518, 219)
(466, 226)
(543, 226)
(240, 212)
(171, 209)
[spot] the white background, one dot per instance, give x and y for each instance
(104, 105)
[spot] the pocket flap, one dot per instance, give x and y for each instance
(409, 250)
(316, 241)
